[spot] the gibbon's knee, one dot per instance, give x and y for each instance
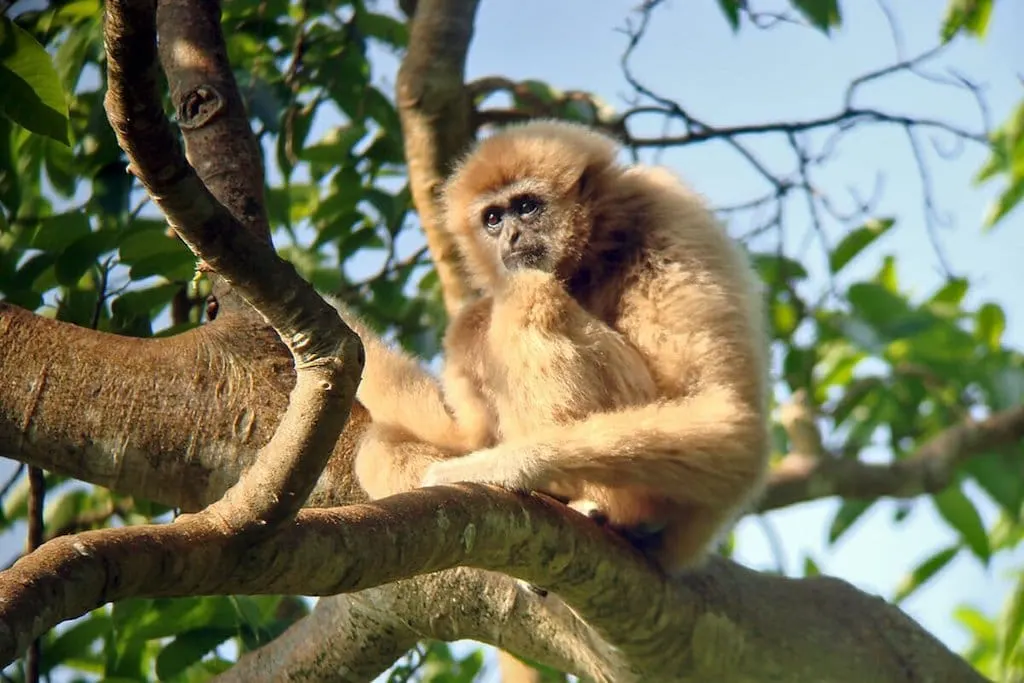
(390, 460)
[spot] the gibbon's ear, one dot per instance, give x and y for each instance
(586, 184)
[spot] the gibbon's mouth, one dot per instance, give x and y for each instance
(525, 258)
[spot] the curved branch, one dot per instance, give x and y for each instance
(322, 345)
(723, 622)
(434, 108)
(802, 477)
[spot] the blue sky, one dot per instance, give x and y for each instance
(789, 73)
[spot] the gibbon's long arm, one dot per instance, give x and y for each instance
(702, 443)
(702, 450)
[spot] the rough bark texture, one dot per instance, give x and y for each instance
(724, 623)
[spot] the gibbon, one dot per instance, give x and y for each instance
(529, 357)
(627, 249)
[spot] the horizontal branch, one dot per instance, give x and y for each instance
(803, 477)
(691, 629)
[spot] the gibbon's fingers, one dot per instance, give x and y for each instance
(702, 450)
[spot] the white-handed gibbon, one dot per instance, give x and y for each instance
(634, 252)
(530, 357)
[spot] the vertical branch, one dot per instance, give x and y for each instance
(219, 142)
(434, 108)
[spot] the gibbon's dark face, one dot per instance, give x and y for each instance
(519, 225)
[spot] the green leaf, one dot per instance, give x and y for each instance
(32, 94)
(966, 15)
(187, 649)
(731, 10)
(383, 27)
(81, 254)
(70, 57)
(776, 268)
(824, 14)
(856, 241)
(1013, 623)
(811, 567)
(924, 572)
(849, 512)
(957, 509)
(147, 238)
(145, 300)
(888, 314)
(991, 323)
(74, 642)
(55, 233)
(334, 147)
(176, 266)
(60, 170)
(1006, 202)
(1001, 475)
(952, 293)
(67, 508)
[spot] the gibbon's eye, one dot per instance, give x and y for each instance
(492, 217)
(524, 206)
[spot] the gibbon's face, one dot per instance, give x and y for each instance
(518, 200)
(520, 226)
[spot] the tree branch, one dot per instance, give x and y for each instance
(801, 477)
(782, 629)
(434, 109)
(323, 347)
(173, 420)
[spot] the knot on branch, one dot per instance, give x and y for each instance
(200, 106)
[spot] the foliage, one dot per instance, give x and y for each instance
(78, 241)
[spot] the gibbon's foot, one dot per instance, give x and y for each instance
(497, 465)
(646, 537)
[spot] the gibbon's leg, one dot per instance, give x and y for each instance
(397, 390)
(391, 460)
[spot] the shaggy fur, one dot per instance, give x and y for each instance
(625, 368)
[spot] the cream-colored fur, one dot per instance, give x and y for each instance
(671, 431)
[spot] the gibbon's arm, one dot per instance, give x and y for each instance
(708, 447)
(397, 390)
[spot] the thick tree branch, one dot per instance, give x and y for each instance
(800, 477)
(172, 420)
(434, 108)
(724, 622)
(450, 605)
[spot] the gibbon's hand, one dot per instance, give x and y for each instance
(498, 465)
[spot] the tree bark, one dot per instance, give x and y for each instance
(434, 108)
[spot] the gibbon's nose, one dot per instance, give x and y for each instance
(512, 235)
